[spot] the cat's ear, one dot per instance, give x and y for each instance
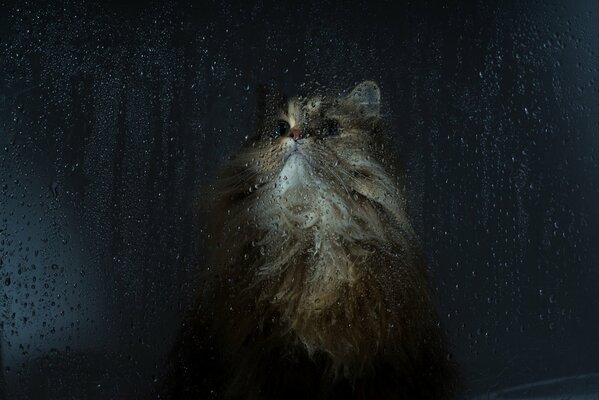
(367, 96)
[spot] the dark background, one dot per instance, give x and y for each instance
(113, 114)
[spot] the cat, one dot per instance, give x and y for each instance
(317, 287)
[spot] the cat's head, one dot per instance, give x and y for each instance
(335, 138)
(320, 129)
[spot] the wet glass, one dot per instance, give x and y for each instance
(114, 116)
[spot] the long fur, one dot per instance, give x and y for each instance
(317, 287)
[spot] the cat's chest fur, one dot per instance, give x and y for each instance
(303, 200)
(306, 206)
(313, 231)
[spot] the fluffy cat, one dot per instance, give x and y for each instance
(317, 287)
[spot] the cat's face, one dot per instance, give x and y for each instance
(317, 138)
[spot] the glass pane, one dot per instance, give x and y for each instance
(116, 120)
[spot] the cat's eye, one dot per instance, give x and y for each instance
(331, 127)
(281, 129)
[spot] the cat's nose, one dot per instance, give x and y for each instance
(295, 133)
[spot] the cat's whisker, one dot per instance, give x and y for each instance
(339, 180)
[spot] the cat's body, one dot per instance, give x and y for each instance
(317, 287)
